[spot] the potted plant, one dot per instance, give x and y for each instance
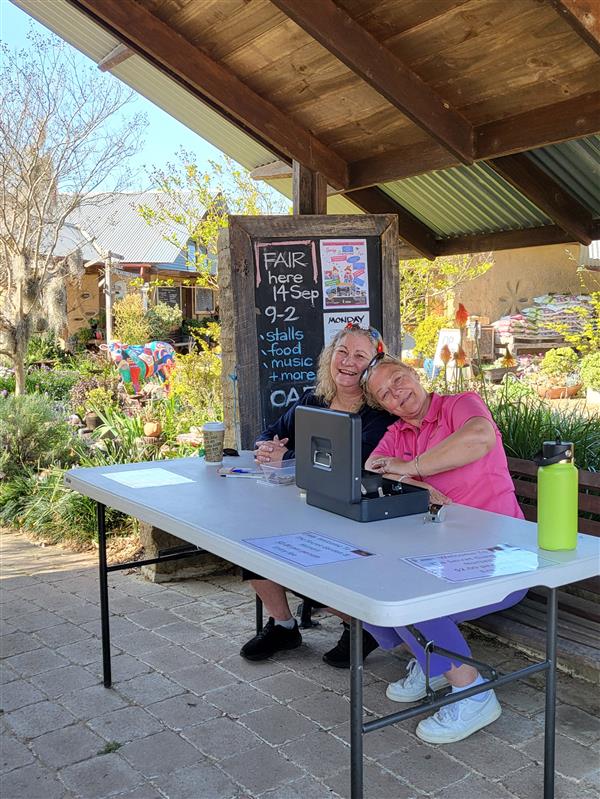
(152, 425)
(98, 399)
(590, 376)
(559, 374)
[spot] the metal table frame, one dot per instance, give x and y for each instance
(359, 728)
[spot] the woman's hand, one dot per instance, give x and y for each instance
(383, 464)
(435, 495)
(271, 452)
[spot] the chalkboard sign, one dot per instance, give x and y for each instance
(170, 295)
(295, 282)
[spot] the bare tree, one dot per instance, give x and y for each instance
(63, 134)
(195, 205)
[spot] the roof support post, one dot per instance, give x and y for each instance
(309, 190)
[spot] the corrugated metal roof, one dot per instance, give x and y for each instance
(115, 224)
(465, 199)
(90, 39)
(576, 166)
(70, 240)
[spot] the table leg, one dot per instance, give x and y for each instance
(356, 710)
(550, 716)
(103, 574)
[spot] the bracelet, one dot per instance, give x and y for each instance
(419, 475)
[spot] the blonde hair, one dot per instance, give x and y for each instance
(326, 388)
(387, 359)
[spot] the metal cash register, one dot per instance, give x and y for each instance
(328, 448)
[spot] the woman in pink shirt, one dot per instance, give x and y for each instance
(451, 445)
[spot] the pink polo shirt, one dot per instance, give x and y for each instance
(485, 483)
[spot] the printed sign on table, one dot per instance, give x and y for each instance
(496, 561)
(308, 548)
(345, 273)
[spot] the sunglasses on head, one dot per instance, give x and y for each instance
(372, 331)
(372, 363)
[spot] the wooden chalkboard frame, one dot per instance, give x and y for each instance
(243, 231)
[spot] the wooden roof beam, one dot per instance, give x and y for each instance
(411, 229)
(552, 124)
(146, 34)
(116, 56)
(505, 240)
(383, 71)
(584, 17)
(536, 184)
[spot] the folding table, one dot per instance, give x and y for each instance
(218, 514)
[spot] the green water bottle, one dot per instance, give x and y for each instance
(557, 496)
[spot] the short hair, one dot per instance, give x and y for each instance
(326, 389)
(389, 360)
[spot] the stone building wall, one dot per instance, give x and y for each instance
(518, 276)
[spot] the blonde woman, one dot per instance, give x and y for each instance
(341, 365)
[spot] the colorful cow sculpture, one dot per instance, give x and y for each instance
(138, 362)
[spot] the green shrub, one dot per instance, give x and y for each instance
(162, 320)
(559, 363)
(100, 398)
(590, 371)
(196, 387)
(47, 508)
(80, 392)
(44, 347)
(525, 422)
(32, 435)
(426, 334)
(206, 332)
(131, 323)
(54, 383)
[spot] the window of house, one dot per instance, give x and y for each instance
(204, 300)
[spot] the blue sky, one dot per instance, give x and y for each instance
(162, 128)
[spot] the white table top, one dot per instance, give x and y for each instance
(216, 513)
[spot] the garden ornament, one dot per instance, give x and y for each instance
(139, 362)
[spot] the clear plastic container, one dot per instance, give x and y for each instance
(283, 475)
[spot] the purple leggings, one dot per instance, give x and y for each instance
(444, 632)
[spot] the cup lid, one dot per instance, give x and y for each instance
(213, 426)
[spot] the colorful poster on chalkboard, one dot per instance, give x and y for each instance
(334, 322)
(345, 273)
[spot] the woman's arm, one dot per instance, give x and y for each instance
(469, 443)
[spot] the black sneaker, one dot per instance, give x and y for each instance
(339, 656)
(272, 638)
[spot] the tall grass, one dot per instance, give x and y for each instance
(526, 421)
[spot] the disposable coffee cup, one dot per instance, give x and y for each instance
(214, 436)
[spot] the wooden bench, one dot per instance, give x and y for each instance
(579, 604)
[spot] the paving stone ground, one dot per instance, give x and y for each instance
(187, 718)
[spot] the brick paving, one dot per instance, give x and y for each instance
(187, 718)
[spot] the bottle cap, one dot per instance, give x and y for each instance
(556, 452)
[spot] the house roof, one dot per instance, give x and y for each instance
(114, 224)
(475, 121)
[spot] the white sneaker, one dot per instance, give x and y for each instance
(455, 722)
(412, 687)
